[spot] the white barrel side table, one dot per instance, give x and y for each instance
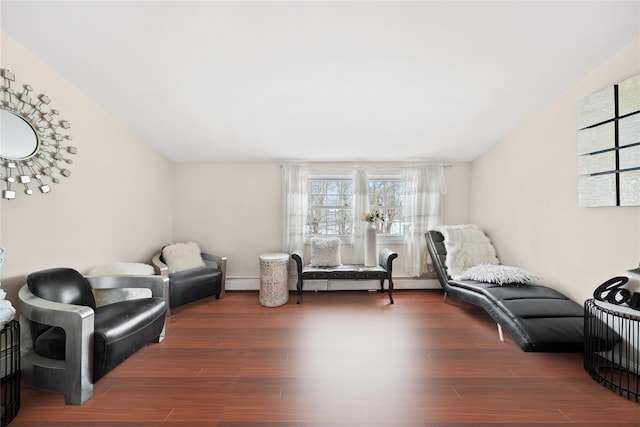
(274, 279)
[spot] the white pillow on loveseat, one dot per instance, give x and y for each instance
(325, 252)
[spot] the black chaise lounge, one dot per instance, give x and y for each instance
(536, 317)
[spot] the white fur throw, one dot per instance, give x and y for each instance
(109, 296)
(325, 252)
(499, 274)
(466, 245)
(122, 269)
(182, 256)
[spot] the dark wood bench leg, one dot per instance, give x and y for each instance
(299, 286)
(390, 288)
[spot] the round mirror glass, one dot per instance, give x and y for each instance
(18, 140)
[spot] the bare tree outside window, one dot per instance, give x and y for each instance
(330, 207)
(330, 201)
(385, 196)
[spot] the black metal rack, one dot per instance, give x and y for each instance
(612, 349)
(9, 372)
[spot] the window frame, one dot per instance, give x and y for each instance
(327, 174)
(388, 174)
(373, 174)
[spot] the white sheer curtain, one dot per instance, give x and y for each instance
(360, 205)
(294, 206)
(422, 210)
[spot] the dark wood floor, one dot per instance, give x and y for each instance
(338, 359)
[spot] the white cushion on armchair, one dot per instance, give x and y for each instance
(182, 256)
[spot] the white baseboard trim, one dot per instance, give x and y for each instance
(253, 284)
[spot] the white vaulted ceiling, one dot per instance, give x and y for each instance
(253, 81)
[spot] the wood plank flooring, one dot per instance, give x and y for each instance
(337, 359)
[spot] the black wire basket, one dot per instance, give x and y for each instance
(9, 372)
(612, 349)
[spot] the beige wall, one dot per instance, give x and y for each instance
(234, 209)
(230, 209)
(124, 200)
(524, 193)
(116, 206)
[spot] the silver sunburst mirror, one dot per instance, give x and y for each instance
(33, 150)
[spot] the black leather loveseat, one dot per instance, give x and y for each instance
(192, 284)
(536, 317)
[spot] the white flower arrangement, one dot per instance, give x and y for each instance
(7, 312)
(372, 216)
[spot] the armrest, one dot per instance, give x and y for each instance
(76, 320)
(214, 261)
(219, 262)
(298, 256)
(161, 268)
(66, 316)
(385, 259)
(73, 375)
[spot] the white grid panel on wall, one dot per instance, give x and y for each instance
(609, 146)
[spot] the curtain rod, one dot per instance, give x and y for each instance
(355, 164)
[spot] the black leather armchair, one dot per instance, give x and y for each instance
(69, 343)
(196, 283)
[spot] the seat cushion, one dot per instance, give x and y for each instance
(553, 334)
(523, 292)
(528, 309)
(345, 271)
(190, 285)
(123, 328)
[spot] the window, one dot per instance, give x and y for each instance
(321, 202)
(385, 196)
(330, 207)
(331, 201)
